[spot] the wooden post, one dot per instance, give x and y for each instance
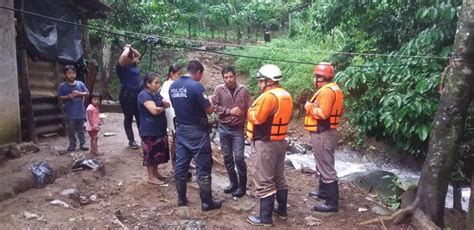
(26, 97)
(60, 78)
(25, 85)
(90, 77)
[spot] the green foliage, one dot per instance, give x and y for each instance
(393, 201)
(391, 97)
(394, 98)
(298, 78)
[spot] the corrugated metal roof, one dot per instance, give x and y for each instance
(92, 8)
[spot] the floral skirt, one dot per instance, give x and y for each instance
(155, 150)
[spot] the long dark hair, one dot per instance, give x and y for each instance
(149, 77)
(173, 69)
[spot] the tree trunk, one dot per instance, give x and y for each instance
(106, 68)
(289, 23)
(457, 196)
(449, 122)
(225, 29)
(248, 28)
(470, 212)
(239, 34)
(189, 28)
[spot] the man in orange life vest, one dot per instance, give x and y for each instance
(323, 113)
(267, 126)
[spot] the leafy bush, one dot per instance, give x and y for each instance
(395, 98)
(298, 78)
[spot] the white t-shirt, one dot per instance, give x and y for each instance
(164, 91)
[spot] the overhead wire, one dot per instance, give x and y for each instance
(127, 34)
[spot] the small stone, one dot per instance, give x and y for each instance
(312, 221)
(29, 215)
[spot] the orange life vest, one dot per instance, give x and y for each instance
(332, 122)
(276, 125)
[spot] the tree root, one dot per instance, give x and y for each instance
(395, 218)
(419, 219)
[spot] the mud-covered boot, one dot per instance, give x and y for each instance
(242, 189)
(265, 216)
(207, 203)
(320, 192)
(281, 209)
(233, 183)
(332, 201)
(181, 189)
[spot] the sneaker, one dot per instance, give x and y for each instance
(83, 148)
(71, 148)
(133, 145)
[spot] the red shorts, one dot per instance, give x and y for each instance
(93, 133)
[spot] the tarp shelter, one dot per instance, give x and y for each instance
(44, 46)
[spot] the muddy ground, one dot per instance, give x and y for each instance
(123, 194)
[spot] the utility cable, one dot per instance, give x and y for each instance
(127, 34)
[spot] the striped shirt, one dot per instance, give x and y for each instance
(226, 101)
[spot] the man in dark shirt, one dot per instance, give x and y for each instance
(191, 105)
(232, 103)
(131, 85)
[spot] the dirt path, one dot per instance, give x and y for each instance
(123, 193)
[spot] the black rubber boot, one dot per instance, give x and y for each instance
(234, 183)
(266, 209)
(332, 201)
(321, 192)
(282, 199)
(181, 189)
(242, 189)
(207, 203)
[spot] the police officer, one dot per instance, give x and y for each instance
(191, 104)
(267, 127)
(323, 114)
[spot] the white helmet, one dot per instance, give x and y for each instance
(269, 71)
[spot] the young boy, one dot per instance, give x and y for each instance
(72, 93)
(93, 121)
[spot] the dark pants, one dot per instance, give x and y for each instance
(76, 126)
(193, 141)
(232, 144)
(129, 108)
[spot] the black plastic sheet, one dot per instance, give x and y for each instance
(49, 38)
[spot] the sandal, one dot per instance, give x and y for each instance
(155, 182)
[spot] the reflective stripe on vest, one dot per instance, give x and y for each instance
(318, 125)
(276, 125)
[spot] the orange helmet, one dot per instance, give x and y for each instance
(324, 69)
